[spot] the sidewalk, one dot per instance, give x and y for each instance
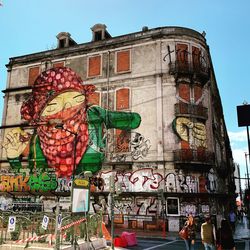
(242, 231)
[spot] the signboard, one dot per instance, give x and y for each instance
(12, 224)
(243, 113)
(80, 197)
(45, 222)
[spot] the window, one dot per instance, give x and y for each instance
(33, 74)
(58, 64)
(122, 136)
(94, 99)
(122, 99)
(196, 56)
(182, 54)
(123, 61)
(94, 66)
(98, 35)
(62, 43)
(173, 206)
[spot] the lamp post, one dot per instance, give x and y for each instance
(247, 171)
(60, 126)
(112, 204)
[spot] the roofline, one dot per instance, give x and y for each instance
(154, 33)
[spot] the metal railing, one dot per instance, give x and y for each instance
(191, 110)
(190, 155)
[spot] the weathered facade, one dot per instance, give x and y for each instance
(179, 160)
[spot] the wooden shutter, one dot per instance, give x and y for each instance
(122, 99)
(94, 99)
(33, 74)
(58, 64)
(196, 56)
(184, 91)
(182, 53)
(94, 67)
(123, 61)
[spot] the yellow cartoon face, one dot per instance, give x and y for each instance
(62, 102)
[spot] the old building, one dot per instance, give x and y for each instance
(177, 161)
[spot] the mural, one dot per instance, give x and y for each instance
(192, 132)
(59, 97)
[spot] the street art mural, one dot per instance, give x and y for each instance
(192, 132)
(68, 132)
(138, 144)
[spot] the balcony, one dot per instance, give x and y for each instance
(199, 72)
(196, 160)
(184, 109)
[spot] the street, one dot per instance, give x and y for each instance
(144, 244)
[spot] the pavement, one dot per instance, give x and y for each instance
(242, 231)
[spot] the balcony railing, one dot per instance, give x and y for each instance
(185, 68)
(193, 157)
(191, 110)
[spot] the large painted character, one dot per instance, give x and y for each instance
(59, 95)
(192, 132)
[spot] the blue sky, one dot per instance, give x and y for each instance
(28, 26)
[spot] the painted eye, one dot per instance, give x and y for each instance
(79, 98)
(50, 108)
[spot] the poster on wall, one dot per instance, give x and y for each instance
(173, 207)
(80, 197)
(80, 200)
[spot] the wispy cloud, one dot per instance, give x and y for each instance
(240, 136)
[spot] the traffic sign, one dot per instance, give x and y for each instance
(12, 224)
(59, 221)
(45, 222)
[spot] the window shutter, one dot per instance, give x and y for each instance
(33, 74)
(94, 67)
(122, 99)
(58, 64)
(123, 61)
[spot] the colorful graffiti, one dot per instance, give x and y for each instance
(135, 141)
(20, 183)
(149, 179)
(141, 180)
(59, 97)
(192, 132)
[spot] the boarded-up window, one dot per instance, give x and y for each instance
(122, 141)
(94, 66)
(58, 64)
(122, 136)
(182, 54)
(94, 99)
(33, 74)
(196, 56)
(123, 61)
(184, 91)
(122, 99)
(197, 92)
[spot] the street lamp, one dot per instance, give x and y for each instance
(60, 126)
(247, 171)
